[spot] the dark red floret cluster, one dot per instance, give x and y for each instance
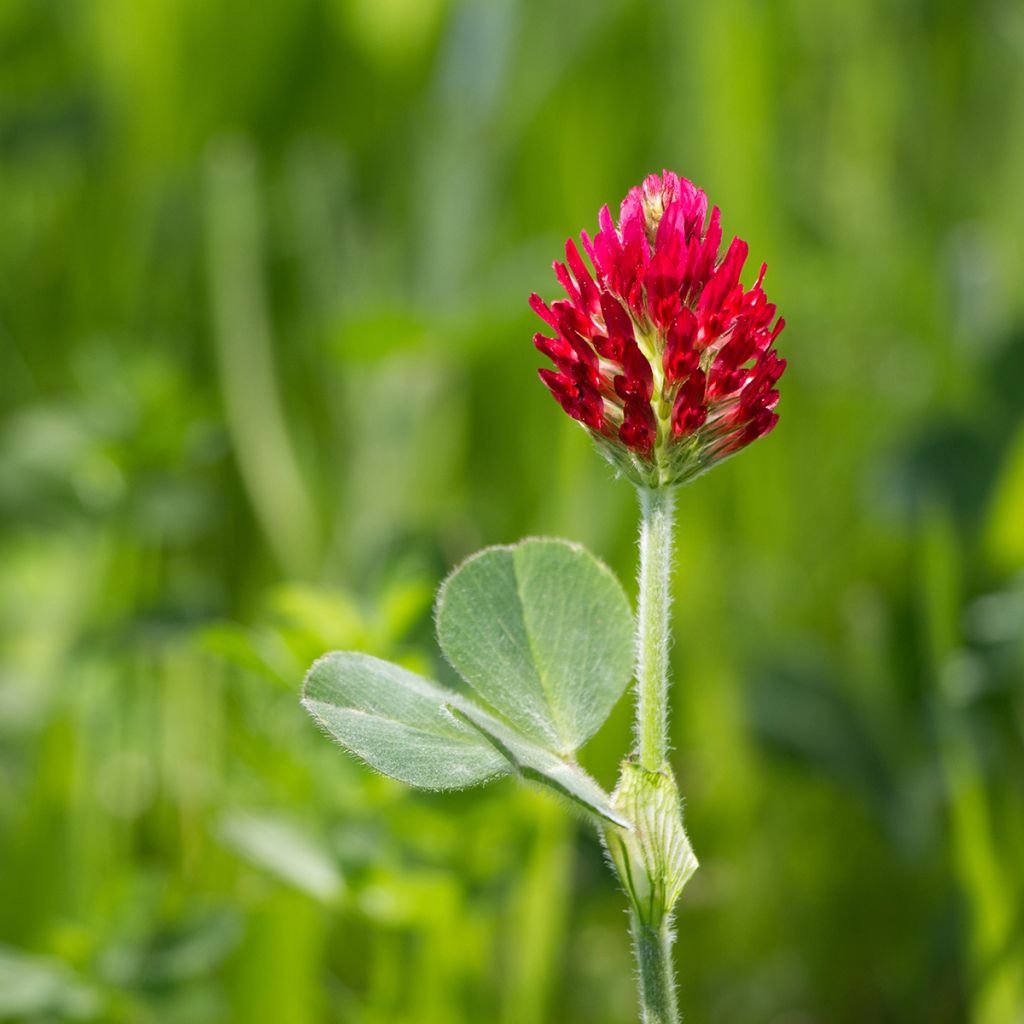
(659, 350)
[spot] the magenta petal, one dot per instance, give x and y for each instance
(540, 307)
(616, 319)
(585, 283)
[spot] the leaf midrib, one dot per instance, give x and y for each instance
(462, 736)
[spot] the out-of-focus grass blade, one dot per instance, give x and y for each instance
(36, 988)
(285, 851)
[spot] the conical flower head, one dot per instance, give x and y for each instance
(659, 350)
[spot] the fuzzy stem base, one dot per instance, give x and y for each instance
(657, 507)
(656, 976)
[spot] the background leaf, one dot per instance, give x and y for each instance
(544, 633)
(395, 721)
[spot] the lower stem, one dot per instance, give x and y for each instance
(657, 506)
(656, 976)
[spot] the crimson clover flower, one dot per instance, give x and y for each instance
(660, 352)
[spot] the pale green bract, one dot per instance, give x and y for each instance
(542, 631)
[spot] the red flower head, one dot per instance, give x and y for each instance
(659, 351)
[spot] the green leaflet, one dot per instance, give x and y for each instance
(395, 721)
(544, 633)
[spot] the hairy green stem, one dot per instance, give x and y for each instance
(657, 506)
(652, 856)
(656, 976)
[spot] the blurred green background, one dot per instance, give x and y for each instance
(266, 374)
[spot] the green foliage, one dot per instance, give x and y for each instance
(848, 651)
